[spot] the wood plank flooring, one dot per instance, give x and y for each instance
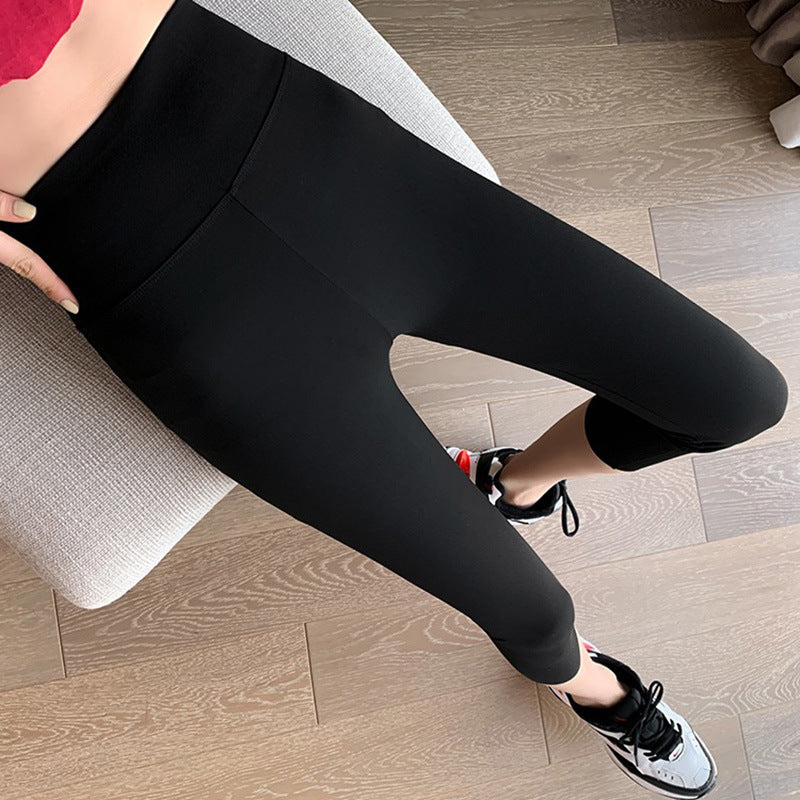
(262, 658)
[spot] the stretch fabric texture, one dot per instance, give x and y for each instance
(247, 237)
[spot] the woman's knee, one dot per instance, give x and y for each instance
(541, 625)
(541, 642)
(755, 401)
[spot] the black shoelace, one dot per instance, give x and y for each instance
(653, 732)
(562, 487)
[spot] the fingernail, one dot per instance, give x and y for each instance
(70, 306)
(23, 209)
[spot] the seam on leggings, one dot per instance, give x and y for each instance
(266, 124)
(316, 269)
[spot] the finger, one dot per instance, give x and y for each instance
(22, 260)
(15, 209)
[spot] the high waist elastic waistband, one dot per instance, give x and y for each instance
(159, 156)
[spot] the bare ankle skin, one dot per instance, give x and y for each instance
(593, 685)
(616, 694)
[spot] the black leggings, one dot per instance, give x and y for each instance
(246, 237)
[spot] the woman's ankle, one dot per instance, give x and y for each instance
(519, 495)
(619, 692)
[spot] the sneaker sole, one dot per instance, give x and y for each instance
(628, 769)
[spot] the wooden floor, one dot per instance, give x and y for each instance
(263, 659)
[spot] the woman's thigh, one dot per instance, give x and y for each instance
(433, 249)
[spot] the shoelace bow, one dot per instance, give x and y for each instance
(653, 730)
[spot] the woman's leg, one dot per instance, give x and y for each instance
(432, 249)
(281, 379)
(435, 250)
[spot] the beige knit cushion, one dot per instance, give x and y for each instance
(95, 490)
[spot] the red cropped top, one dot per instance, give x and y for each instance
(29, 30)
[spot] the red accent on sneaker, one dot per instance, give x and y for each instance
(462, 459)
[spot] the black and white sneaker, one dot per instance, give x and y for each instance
(483, 468)
(652, 744)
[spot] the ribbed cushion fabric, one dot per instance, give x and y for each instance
(96, 490)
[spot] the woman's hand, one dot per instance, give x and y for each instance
(24, 261)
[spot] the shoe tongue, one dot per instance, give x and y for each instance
(625, 709)
(620, 716)
(625, 713)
